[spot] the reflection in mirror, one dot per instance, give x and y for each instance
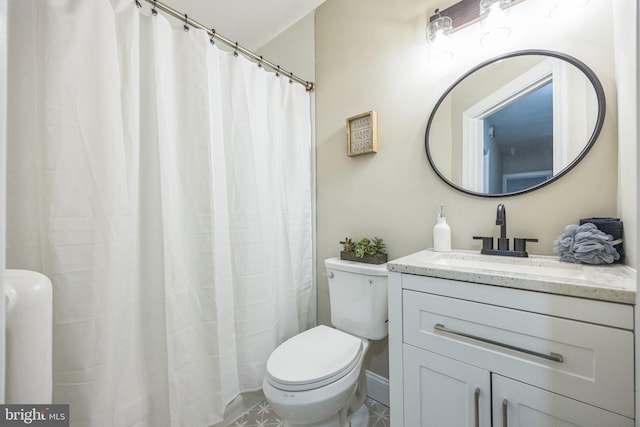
(515, 123)
(515, 156)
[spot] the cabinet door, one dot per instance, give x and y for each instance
(439, 391)
(516, 404)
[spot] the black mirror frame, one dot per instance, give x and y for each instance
(594, 136)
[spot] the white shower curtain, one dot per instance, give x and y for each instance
(164, 186)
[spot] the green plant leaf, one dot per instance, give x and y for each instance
(364, 247)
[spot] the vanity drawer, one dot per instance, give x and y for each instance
(588, 362)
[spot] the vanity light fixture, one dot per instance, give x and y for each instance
(439, 35)
(494, 20)
(565, 8)
(467, 12)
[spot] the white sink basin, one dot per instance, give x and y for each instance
(532, 266)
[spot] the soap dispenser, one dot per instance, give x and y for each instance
(441, 233)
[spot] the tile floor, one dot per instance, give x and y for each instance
(262, 415)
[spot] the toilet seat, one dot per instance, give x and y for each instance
(312, 359)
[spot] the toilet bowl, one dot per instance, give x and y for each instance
(317, 378)
(312, 376)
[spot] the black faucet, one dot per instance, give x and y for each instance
(501, 220)
(519, 244)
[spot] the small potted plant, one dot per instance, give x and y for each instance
(371, 251)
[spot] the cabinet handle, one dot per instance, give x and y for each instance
(555, 357)
(505, 403)
(476, 397)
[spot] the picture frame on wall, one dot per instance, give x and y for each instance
(362, 134)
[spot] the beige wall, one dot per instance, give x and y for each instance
(294, 48)
(373, 55)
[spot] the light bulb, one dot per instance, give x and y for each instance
(564, 9)
(439, 35)
(494, 20)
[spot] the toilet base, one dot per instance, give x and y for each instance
(359, 419)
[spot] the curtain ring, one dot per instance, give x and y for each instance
(186, 23)
(260, 62)
(213, 34)
(154, 12)
(138, 5)
(278, 72)
(291, 77)
(235, 52)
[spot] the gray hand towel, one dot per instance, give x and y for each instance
(585, 244)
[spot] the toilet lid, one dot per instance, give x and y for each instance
(314, 358)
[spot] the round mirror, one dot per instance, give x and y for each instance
(515, 123)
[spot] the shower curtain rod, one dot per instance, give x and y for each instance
(237, 48)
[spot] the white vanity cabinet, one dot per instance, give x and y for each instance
(440, 391)
(471, 354)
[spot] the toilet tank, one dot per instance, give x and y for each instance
(358, 297)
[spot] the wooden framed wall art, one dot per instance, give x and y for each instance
(362, 134)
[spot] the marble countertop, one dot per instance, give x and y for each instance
(614, 283)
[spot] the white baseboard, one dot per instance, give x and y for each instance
(378, 388)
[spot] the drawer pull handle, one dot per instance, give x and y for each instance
(505, 403)
(476, 397)
(555, 357)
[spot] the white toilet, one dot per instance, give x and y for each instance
(317, 378)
